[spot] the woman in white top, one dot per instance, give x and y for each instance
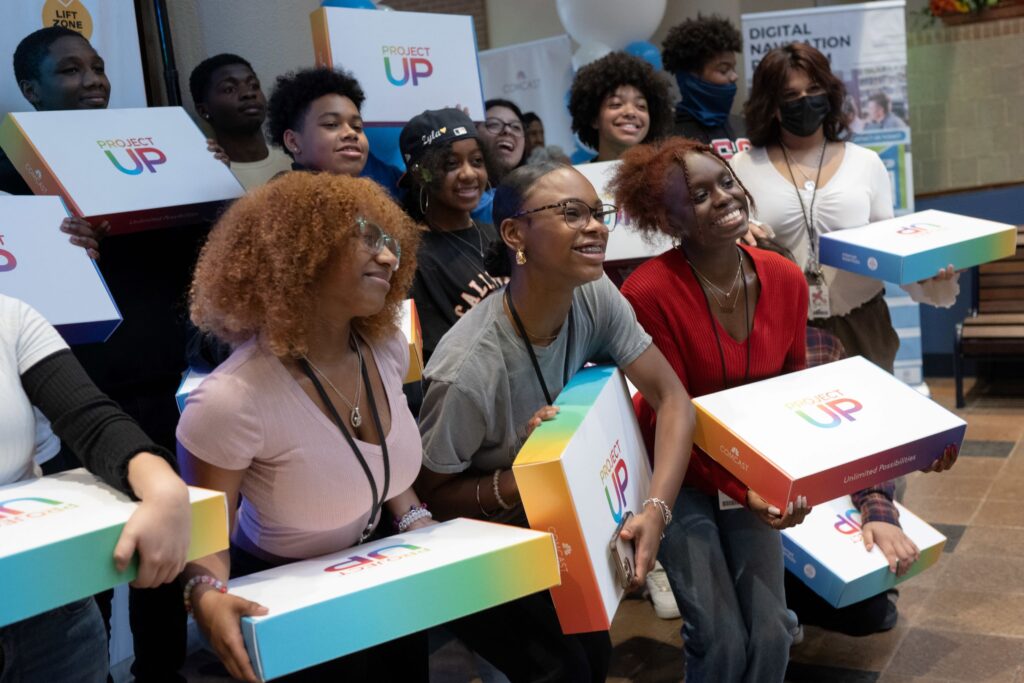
(806, 181)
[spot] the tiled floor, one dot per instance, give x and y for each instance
(962, 620)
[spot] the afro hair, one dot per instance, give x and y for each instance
(295, 91)
(691, 44)
(599, 79)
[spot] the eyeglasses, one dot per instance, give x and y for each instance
(376, 240)
(496, 126)
(577, 213)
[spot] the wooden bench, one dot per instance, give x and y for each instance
(994, 327)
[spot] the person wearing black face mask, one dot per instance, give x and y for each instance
(701, 53)
(807, 180)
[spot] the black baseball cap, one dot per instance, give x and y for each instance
(431, 128)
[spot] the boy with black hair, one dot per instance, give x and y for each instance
(702, 53)
(228, 96)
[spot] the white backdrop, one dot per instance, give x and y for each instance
(536, 76)
(108, 24)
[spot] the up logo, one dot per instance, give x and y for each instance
(849, 522)
(615, 477)
(415, 65)
(7, 260)
(139, 152)
(918, 229)
(834, 412)
(388, 553)
(826, 410)
(19, 510)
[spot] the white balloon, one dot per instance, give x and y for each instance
(587, 53)
(615, 23)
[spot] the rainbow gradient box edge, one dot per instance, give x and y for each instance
(874, 260)
(406, 583)
(48, 575)
(812, 554)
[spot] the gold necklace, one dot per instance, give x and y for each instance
(726, 306)
(531, 335)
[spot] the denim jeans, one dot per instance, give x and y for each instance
(726, 572)
(65, 644)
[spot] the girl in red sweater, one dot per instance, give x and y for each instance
(723, 315)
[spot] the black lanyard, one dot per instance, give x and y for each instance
(377, 499)
(714, 328)
(808, 213)
(533, 356)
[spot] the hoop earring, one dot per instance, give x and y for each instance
(424, 200)
(520, 257)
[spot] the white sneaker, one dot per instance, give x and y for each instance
(661, 593)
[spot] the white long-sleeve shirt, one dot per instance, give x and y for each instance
(859, 193)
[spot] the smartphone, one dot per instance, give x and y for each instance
(622, 554)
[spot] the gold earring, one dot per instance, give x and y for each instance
(520, 257)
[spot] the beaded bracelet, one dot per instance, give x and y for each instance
(497, 491)
(415, 513)
(217, 584)
(666, 513)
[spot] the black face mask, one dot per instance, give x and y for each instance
(802, 117)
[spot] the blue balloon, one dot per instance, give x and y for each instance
(646, 51)
(351, 4)
(384, 144)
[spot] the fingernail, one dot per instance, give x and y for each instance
(772, 510)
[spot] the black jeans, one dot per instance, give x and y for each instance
(524, 640)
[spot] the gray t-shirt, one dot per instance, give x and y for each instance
(481, 385)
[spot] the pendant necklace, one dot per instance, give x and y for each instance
(724, 305)
(354, 418)
(809, 184)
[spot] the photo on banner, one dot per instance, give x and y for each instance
(110, 26)
(866, 44)
(536, 76)
(405, 61)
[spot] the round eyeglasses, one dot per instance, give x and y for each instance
(578, 213)
(376, 240)
(496, 126)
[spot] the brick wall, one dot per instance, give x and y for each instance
(475, 8)
(966, 91)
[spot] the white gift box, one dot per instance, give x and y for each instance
(823, 432)
(827, 553)
(140, 169)
(916, 246)
(331, 606)
(406, 62)
(58, 533)
(578, 474)
(39, 266)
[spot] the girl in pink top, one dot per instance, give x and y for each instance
(306, 419)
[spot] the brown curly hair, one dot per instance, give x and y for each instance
(639, 184)
(257, 271)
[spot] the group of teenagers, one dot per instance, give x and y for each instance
(291, 302)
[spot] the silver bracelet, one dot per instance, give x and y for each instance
(497, 492)
(480, 505)
(666, 513)
(415, 514)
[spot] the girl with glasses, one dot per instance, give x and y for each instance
(494, 376)
(504, 135)
(306, 420)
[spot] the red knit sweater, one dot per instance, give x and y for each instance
(670, 304)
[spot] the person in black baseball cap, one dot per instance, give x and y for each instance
(445, 178)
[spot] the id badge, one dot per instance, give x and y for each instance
(725, 502)
(817, 303)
